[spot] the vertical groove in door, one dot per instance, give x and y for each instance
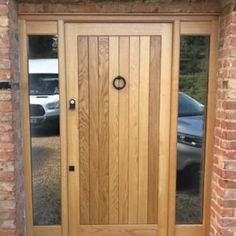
(133, 130)
(143, 128)
(103, 158)
(154, 107)
(123, 132)
(113, 133)
(83, 129)
(93, 102)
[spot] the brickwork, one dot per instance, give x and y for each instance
(223, 207)
(223, 219)
(11, 175)
(138, 6)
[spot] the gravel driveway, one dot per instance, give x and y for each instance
(46, 180)
(46, 186)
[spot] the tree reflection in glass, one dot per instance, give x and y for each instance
(193, 80)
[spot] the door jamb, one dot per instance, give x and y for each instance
(39, 24)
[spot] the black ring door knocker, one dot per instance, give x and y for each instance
(119, 82)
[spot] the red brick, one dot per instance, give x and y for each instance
(223, 212)
(6, 117)
(5, 106)
(226, 174)
(5, 215)
(7, 137)
(7, 156)
(7, 232)
(228, 222)
(227, 184)
(3, 10)
(7, 176)
(227, 144)
(5, 74)
(4, 21)
(5, 127)
(5, 64)
(229, 135)
(229, 194)
(5, 96)
(228, 124)
(7, 186)
(230, 165)
(6, 146)
(4, 40)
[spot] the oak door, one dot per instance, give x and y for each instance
(118, 131)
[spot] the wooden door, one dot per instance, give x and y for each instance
(118, 140)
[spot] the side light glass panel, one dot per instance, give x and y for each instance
(193, 82)
(44, 99)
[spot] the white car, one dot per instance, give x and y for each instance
(44, 93)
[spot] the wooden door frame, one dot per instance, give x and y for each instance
(183, 24)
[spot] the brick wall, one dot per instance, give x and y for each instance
(118, 6)
(11, 175)
(223, 219)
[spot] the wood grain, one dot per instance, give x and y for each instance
(42, 28)
(103, 158)
(133, 129)
(173, 128)
(195, 28)
(25, 119)
(153, 140)
(73, 130)
(47, 230)
(210, 124)
(121, 29)
(143, 128)
(164, 133)
(83, 129)
(123, 132)
(113, 133)
(119, 230)
(94, 124)
(63, 128)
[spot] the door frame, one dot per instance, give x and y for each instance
(183, 24)
(163, 30)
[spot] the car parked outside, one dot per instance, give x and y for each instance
(44, 93)
(189, 140)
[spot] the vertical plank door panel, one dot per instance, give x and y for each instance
(83, 129)
(94, 115)
(113, 132)
(154, 101)
(123, 132)
(133, 129)
(103, 159)
(143, 128)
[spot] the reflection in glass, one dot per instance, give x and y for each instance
(44, 123)
(193, 82)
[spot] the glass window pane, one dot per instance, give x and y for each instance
(193, 80)
(45, 133)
